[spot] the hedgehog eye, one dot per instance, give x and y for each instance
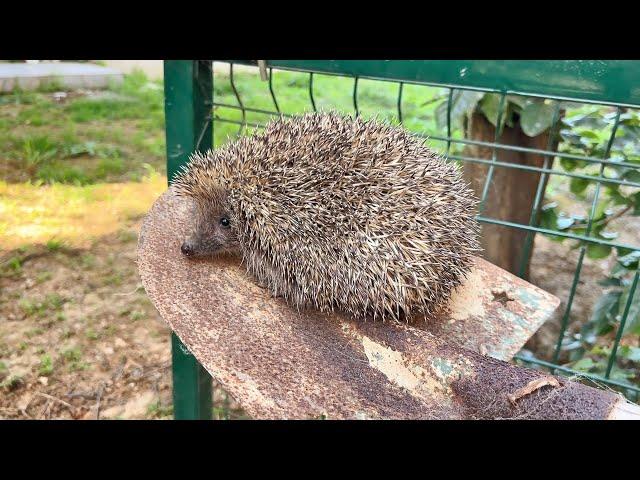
(224, 221)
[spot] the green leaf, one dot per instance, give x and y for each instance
(548, 216)
(610, 282)
(632, 175)
(603, 314)
(619, 271)
(490, 106)
(563, 223)
(462, 104)
(602, 350)
(596, 229)
(549, 219)
(614, 193)
(630, 260)
(632, 324)
(602, 210)
(586, 133)
(596, 251)
(608, 235)
(521, 102)
(583, 365)
(578, 185)
(622, 251)
(570, 165)
(536, 118)
(636, 204)
(88, 148)
(630, 353)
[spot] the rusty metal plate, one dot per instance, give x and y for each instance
(493, 312)
(281, 363)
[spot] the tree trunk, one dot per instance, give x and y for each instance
(511, 193)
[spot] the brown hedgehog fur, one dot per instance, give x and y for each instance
(335, 212)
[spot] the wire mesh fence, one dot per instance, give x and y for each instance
(575, 159)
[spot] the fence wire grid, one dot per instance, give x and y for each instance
(439, 111)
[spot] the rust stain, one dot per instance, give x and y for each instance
(282, 363)
(501, 296)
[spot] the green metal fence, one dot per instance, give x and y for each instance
(586, 108)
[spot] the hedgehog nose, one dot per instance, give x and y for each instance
(186, 249)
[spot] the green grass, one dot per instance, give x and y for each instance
(66, 333)
(87, 260)
(127, 236)
(67, 213)
(91, 334)
(157, 410)
(106, 136)
(291, 90)
(109, 330)
(46, 366)
(11, 267)
(54, 245)
(72, 354)
(51, 303)
(43, 276)
(115, 279)
(136, 315)
(73, 359)
(57, 172)
(118, 134)
(36, 150)
(12, 382)
(34, 332)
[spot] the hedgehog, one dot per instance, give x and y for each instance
(334, 212)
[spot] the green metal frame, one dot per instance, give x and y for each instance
(603, 82)
(191, 111)
(188, 97)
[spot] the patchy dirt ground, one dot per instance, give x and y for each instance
(552, 268)
(80, 339)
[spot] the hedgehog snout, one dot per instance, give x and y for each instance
(187, 249)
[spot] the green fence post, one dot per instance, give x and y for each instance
(188, 97)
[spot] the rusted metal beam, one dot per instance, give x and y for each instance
(281, 363)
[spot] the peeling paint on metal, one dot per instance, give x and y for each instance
(490, 312)
(413, 378)
(467, 301)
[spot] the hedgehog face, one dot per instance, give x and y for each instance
(213, 232)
